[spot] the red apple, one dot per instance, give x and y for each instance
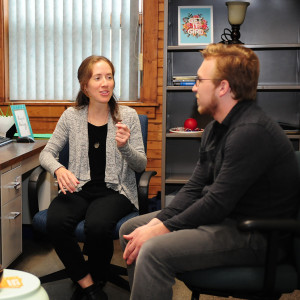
(190, 124)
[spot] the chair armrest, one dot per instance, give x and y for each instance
(143, 190)
(280, 225)
(271, 228)
(35, 179)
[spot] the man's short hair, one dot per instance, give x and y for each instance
(238, 65)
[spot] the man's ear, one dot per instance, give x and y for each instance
(224, 88)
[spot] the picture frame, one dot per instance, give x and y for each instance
(195, 25)
(22, 121)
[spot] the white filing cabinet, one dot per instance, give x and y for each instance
(11, 214)
(16, 160)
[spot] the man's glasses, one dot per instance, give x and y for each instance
(199, 80)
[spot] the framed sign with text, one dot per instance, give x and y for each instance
(195, 25)
(22, 121)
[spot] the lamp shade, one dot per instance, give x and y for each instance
(237, 12)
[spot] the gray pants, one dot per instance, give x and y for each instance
(162, 257)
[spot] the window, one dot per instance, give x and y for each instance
(49, 39)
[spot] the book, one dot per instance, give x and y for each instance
(185, 77)
(184, 83)
(184, 80)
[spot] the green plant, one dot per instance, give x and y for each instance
(8, 112)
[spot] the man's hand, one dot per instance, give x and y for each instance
(66, 180)
(139, 236)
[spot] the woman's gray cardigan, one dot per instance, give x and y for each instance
(120, 162)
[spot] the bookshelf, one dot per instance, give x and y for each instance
(278, 91)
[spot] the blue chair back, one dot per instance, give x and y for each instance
(144, 129)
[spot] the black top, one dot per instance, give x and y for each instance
(97, 153)
(247, 168)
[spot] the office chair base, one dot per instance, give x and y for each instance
(114, 277)
(196, 295)
(58, 275)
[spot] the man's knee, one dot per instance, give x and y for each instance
(123, 229)
(130, 225)
(126, 228)
(151, 249)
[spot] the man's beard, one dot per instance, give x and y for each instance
(209, 109)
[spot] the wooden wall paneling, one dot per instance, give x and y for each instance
(155, 127)
(43, 125)
(150, 26)
(37, 111)
(2, 63)
(149, 111)
(153, 136)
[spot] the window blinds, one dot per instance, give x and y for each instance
(48, 39)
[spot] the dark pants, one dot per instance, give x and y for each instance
(162, 257)
(101, 212)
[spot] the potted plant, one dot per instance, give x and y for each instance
(6, 121)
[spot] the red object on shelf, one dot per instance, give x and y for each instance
(190, 123)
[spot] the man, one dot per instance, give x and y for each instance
(246, 169)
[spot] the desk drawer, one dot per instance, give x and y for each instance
(11, 231)
(11, 184)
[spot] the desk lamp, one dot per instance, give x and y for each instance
(236, 17)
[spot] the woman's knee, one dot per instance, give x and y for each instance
(98, 228)
(55, 224)
(65, 212)
(58, 222)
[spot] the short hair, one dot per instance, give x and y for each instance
(84, 74)
(238, 65)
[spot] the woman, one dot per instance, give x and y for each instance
(105, 149)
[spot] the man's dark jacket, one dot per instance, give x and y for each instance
(246, 169)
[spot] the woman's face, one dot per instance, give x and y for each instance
(100, 86)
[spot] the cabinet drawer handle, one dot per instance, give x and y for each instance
(13, 215)
(15, 184)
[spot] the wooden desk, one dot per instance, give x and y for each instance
(15, 160)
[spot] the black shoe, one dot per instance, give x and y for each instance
(95, 292)
(78, 294)
(100, 283)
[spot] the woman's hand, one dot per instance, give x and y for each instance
(66, 180)
(122, 134)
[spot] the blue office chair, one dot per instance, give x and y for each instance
(248, 282)
(39, 218)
